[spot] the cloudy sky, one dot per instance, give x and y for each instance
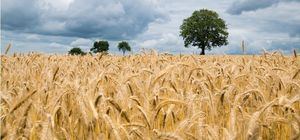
(55, 26)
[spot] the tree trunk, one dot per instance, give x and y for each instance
(123, 53)
(202, 51)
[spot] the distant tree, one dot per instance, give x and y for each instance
(204, 29)
(100, 46)
(124, 46)
(76, 51)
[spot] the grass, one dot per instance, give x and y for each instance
(150, 96)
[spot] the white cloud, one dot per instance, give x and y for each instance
(149, 43)
(60, 5)
(167, 39)
(58, 45)
(33, 37)
(82, 43)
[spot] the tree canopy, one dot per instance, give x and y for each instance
(76, 51)
(124, 46)
(205, 30)
(100, 46)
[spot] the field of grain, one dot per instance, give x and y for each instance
(150, 96)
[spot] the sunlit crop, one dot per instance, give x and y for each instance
(150, 96)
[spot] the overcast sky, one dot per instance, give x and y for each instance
(55, 26)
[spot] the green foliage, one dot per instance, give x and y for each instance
(124, 46)
(76, 51)
(204, 29)
(100, 46)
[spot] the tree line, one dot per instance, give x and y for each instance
(204, 30)
(101, 47)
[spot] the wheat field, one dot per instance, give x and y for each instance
(150, 96)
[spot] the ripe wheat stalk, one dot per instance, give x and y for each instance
(150, 96)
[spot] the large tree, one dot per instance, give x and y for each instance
(205, 30)
(124, 46)
(100, 46)
(76, 51)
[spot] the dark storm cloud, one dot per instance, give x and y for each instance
(238, 7)
(110, 19)
(16, 17)
(291, 28)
